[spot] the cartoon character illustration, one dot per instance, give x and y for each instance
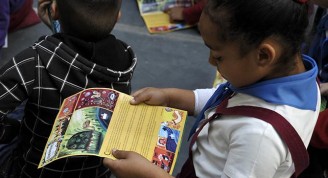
(96, 97)
(176, 120)
(87, 125)
(161, 141)
(111, 100)
(177, 115)
(163, 158)
(84, 102)
(66, 110)
(52, 150)
(165, 161)
(62, 126)
(171, 139)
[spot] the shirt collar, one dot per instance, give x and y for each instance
(298, 90)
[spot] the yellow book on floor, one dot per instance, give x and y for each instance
(96, 120)
(155, 18)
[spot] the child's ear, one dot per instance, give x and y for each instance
(267, 53)
(54, 11)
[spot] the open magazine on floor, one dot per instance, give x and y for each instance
(155, 18)
(96, 120)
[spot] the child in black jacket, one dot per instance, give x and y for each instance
(84, 55)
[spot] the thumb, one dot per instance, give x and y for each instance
(113, 164)
(140, 96)
(119, 154)
(109, 163)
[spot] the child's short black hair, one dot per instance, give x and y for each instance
(252, 21)
(90, 20)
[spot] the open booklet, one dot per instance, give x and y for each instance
(96, 120)
(157, 21)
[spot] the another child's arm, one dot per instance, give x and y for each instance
(190, 15)
(131, 164)
(172, 97)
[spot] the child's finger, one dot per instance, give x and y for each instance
(139, 97)
(119, 154)
(139, 91)
(115, 165)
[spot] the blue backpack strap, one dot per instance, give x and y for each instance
(188, 170)
(281, 125)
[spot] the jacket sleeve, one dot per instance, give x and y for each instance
(16, 82)
(192, 14)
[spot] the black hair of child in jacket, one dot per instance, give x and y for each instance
(90, 20)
